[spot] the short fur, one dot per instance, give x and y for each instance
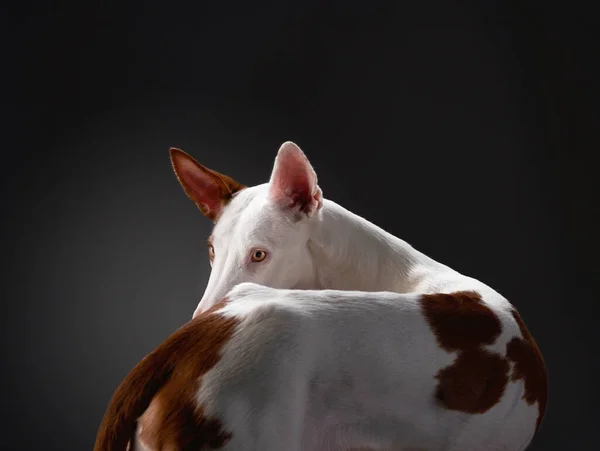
(335, 335)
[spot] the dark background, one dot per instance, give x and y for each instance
(466, 129)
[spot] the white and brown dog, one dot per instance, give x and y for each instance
(320, 331)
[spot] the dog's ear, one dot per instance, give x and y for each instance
(208, 189)
(293, 181)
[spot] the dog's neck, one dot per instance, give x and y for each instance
(351, 253)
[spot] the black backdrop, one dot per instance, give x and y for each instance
(466, 130)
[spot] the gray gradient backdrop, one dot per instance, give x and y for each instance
(461, 129)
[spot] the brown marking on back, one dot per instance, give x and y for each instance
(530, 366)
(474, 382)
(461, 323)
(208, 189)
(171, 376)
(460, 320)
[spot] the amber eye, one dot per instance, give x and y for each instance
(258, 255)
(211, 252)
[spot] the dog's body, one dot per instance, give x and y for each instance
(421, 358)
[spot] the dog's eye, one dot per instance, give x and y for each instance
(258, 255)
(211, 252)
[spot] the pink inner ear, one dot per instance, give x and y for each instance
(204, 190)
(199, 185)
(294, 181)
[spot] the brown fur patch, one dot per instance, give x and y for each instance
(530, 366)
(460, 320)
(148, 424)
(208, 189)
(170, 374)
(476, 380)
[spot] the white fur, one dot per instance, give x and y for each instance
(335, 370)
(324, 369)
